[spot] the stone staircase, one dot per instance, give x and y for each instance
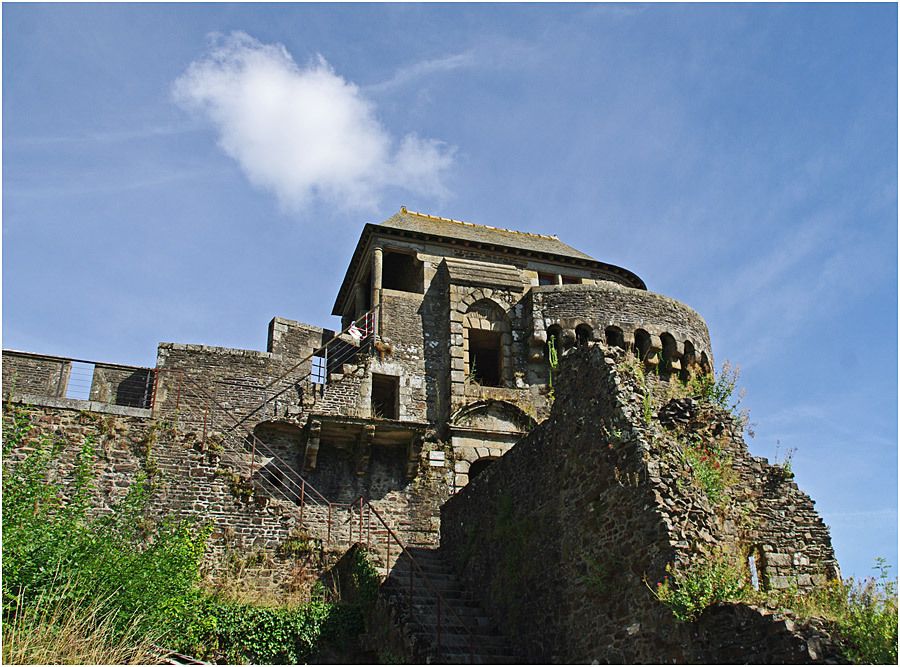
(466, 634)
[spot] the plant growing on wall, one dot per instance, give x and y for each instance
(553, 361)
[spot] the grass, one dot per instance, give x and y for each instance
(59, 629)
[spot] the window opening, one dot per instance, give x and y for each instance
(385, 396)
(81, 376)
(319, 372)
(571, 280)
(484, 357)
(583, 334)
(546, 279)
(401, 271)
(615, 337)
(642, 344)
(754, 575)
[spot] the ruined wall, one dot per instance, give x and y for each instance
(566, 534)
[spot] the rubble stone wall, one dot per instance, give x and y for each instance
(565, 536)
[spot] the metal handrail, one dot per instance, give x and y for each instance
(255, 441)
(315, 353)
(361, 501)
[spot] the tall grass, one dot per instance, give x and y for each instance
(61, 629)
(76, 583)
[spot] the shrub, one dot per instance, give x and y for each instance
(58, 556)
(689, 591)
(864, 613)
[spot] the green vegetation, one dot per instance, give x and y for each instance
(84, 587)
(711, 470)
(689, 591)
(864, 614)
(92, 574)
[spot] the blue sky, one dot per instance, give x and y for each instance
(186, 172)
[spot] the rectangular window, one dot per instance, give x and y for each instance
(546, 279)
(319, 372)
(484, 357)
(402, 272)
(571, 280)
(385, 396)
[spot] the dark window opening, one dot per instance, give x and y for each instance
(615, 337)
(401, 272)
(484, 357)
(669, 354)
(546, 279)
(479, 467)
(688, 361)
(385, 396)
(642, 344)
(571, 280)
(554, 339)
(583, 334)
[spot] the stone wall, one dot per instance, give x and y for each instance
(24, 372)
(253, 525)
(566, 534)
(606, 304)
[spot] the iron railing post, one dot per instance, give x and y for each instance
(302, 498)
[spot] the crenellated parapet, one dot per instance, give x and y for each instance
(659, 329)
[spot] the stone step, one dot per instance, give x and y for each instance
(464, 658)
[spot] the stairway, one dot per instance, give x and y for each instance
(467, 634)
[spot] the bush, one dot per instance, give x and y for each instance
(101, 589)
(57, 556)
(705, 582)
(863, 613)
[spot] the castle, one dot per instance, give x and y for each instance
(457, 342)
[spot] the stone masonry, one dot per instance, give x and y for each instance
(441, 365)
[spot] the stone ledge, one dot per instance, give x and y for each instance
(76, 404)
(212, 349)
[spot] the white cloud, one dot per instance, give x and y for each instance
(304, 132)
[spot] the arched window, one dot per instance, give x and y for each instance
(641, 344)
(705, 366)
(480, 466)
(554, 338)
(669, 355)
(583, 334)
(688, 361)
(756, 567)
(615, 337)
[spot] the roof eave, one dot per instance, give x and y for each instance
(633, 279)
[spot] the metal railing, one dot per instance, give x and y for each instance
(333, 354)
(244, 451)
(366, 511)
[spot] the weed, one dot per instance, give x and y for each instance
(690, 590)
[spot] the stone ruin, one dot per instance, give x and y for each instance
(543, 492)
